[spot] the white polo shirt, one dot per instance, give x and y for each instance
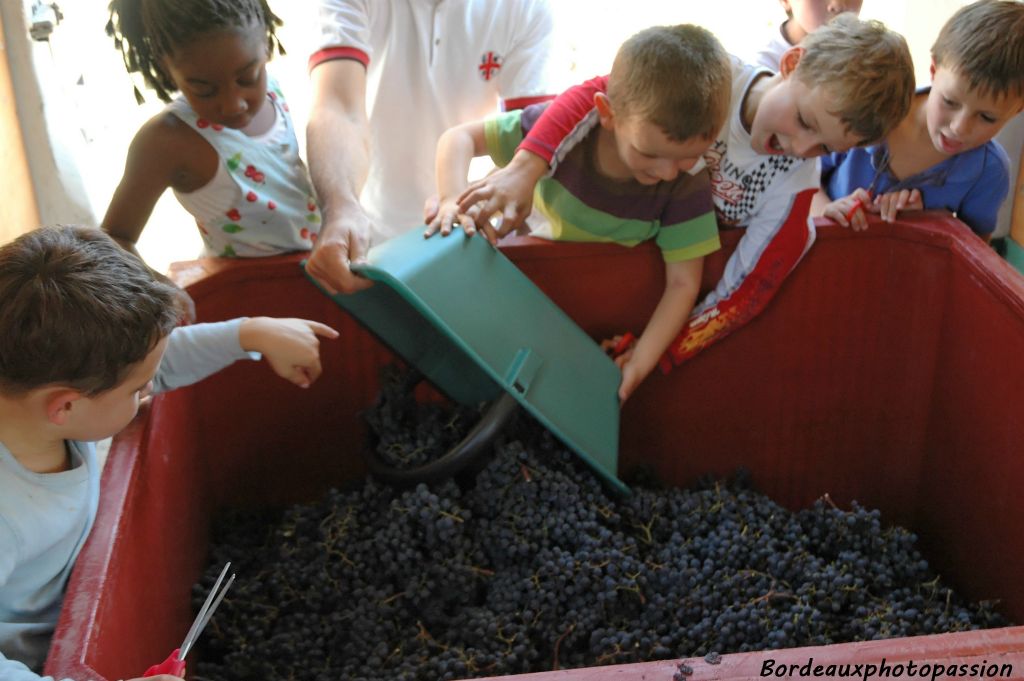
(431, 65)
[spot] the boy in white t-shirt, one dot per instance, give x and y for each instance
(802, 17)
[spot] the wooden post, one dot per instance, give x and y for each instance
(19, 212)
(1015, 244)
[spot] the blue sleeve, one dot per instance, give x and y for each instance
(830, 161)
(828, 164)
(980, 207)
(197, 351)
(12, 670)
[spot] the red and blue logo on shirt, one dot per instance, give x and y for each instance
(490, 64)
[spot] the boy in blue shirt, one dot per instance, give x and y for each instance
(85, 334)
(941, 155)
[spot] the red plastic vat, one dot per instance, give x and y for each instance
(887, 370)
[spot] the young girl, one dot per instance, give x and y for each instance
(226, 146)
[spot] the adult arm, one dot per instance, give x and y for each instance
(338, 150)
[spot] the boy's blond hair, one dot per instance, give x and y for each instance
(676, 77)
(984, 43)
(866, 71)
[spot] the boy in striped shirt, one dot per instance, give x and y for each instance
(630, 171)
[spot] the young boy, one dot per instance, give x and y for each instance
(627, 176)
(85, 334)
(846, 84)
(802, 17)
(941, 155)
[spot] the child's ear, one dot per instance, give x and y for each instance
(931, 69)
(59, 404)
(790, 59)
(604, 109)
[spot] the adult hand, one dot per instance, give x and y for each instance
(342, 241)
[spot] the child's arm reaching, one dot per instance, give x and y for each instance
(455, 149)
(682, 283)
(508, 191)
(196, 351)
(163, 154)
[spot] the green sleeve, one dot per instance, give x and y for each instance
(694, 238)
(503, 132)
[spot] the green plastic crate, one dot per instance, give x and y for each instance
(460, 312)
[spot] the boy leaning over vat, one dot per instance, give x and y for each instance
(628, 170)
(942, 155)
(847, 84)
(86, 332)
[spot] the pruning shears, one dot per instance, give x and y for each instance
(175, 662)
(858, 204)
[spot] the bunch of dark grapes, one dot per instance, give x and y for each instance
(408, 434)
(533, 565)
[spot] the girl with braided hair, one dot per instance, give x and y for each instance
(226, 144)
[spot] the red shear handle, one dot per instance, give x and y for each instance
(858, 204)
(172, 665)
(627, 340)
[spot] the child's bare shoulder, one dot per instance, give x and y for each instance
(167, 143)
(165, 131)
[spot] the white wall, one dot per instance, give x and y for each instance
(55, 153)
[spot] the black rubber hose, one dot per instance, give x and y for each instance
(466, 452)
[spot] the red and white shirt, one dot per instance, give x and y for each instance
(431, 65)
